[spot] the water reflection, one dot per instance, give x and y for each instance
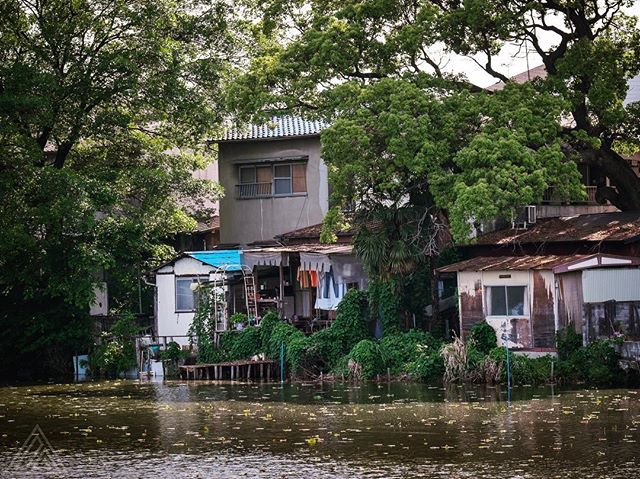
(202, 429)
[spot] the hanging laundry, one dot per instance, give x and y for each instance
(313, 275)
(304, 279)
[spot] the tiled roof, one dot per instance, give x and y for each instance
(277, 127)
(596, 227)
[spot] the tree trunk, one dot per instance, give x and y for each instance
(625, 193)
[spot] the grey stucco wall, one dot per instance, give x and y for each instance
(248, 220)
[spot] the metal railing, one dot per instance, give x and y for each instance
(552, 196)
(253, 190)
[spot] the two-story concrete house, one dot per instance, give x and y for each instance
(274, 179)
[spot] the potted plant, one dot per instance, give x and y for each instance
(237, 320)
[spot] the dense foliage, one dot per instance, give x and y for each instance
(115, 353)
(418, 149)
(483, 337)
(105, 111)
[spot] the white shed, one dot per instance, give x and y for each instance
(176, 298)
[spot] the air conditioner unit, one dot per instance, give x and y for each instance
(525, 217)
(532, 214)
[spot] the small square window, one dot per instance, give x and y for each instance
(507, 300)
(186, 297)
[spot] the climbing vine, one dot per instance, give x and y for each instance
(385, 304)
(203, 326)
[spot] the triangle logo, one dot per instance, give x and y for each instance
(36, 456)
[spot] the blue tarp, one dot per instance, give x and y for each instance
(230, 259)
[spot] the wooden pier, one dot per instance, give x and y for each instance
(235, 370)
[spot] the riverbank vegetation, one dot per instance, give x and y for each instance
(348, 350)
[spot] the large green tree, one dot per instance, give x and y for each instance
(105, 106)
(404, 133)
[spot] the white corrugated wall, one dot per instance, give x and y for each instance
(619, 284)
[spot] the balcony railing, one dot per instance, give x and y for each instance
(552, 196)
(253, 190)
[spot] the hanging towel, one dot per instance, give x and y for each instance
(313, 276)
(303, 278)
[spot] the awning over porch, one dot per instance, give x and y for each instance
(228, 260)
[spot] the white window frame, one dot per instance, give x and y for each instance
(194, 279)
(273, 166)
(526, 307)
(275, 178)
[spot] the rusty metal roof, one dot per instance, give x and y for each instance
(313, 232)
(623, 227)
(506, 263)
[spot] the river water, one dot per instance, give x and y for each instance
(223, 430)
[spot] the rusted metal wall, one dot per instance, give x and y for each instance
(470, 290)
(603, 320)
(570, 300)
(542, 312)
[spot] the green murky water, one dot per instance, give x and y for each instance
(150, 429)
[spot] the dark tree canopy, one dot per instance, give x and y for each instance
(405, 132)
(105, 109)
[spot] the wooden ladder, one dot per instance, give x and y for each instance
(250, 294)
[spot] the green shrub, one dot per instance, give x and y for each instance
(237, 318)
(296, 354)
(268, 322)
(524, 370)
(385, 303)
(483, 337)
(116, 352)
(173, 352)
(568, 341)
(428, 366)
(400, 349)
(281, 333)
(366, 359)
(352, 319)
(239, 345)
(597, 364)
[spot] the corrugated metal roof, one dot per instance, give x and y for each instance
(596, 227)
(277, 127)
(230, 260)
(511, 263)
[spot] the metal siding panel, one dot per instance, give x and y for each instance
(619, 284)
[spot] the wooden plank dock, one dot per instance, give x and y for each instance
(234, 370)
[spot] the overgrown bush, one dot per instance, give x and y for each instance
(385, 305)
(201, 330)
(173, 352)
(524, 370)
(281, 333)
(428, 365)
(597, 364)
(483, 337)
(116, 352)
(400, 349)
(365, 360)
(269, 320)
(568, 341)
(237, 345)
